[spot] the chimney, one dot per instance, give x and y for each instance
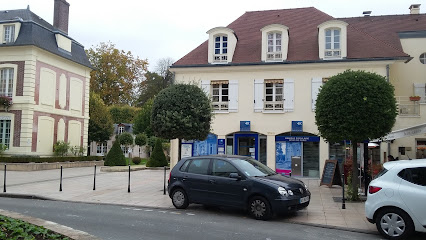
(414, 9)
(61, 15)
(366, 13)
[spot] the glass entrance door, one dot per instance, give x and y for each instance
(246, 145)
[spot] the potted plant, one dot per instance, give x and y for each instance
(6, 102)
(415, 98)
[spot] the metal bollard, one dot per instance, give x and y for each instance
(343, 191)
(4, 182)
(164, 189)
(60, 183)
(128, 187)
(94, 179)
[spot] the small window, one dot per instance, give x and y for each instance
(221, 49)
(220, 95)
(120, 129)
(332, 43)
(414, 175)
(274, 98)
(222, 168)
(274, 46)
(101, 148)
(184, 166)
(199, 166)
(6, 82)
(5, 132)
(9, 33)
(422, 58)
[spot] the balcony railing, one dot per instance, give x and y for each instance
(274, 56)
(273, 105)
(220, 58)
(220, 106)
(406, 107)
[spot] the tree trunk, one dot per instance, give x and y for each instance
(354, 168)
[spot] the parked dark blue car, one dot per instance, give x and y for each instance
(235, 181)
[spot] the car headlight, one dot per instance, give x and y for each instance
(306, 187)
(282, 191)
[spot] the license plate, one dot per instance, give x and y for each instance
(304, 199)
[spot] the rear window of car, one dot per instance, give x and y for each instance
(414, 175)
(381, 173)
(199, 166)
(184, 166)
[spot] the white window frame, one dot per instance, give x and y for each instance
(220, 100)
(332, 52)
(275, 104)
(6, 82)
(5, 130)
(9, 33)
(120, 129)
(272, 42)
(422, 58)
(101, 148)
(222, 55)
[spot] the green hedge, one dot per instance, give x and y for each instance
(29, 159)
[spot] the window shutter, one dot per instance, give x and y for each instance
(205, 85)
(233, 96)
(258, 95)
(316, 84)
(420, 90)
(288, 95)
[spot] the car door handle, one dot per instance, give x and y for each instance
(212, 181)
(184, 178)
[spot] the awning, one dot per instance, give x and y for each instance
(407, 132)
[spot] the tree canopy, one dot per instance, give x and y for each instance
(357, 106)
(125, 139)
(142, 121)
(117, 74)
(181, 111)
(123, 113)
(100, 123)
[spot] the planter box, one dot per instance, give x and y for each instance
(414, 98)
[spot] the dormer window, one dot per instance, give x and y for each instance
(221, 49)
(274, 43)
(9, 33)
(332, 40)
(120, 130)
(274, 46)
(332, 43)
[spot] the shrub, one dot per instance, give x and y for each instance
(2, 148)
(115, 156)
(60, 148)
(158, 159)
(136, 160)
(38, 159)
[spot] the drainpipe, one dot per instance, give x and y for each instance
(388, 80)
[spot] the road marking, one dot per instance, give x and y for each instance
(137, 209)
(174, 213)
(162, 211)
(190, 214)
(149, 210)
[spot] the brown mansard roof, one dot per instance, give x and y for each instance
(371, 37)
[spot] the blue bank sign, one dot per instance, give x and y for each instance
(297, 126)
(245, 126)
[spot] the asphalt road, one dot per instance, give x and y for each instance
(119, 222)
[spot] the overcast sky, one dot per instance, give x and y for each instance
(154, 29)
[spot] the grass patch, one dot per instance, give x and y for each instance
(15, 229)
(143, 162)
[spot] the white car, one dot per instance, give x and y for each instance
(396, 200)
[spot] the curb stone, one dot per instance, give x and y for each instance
(64, 230)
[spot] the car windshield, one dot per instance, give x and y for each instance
(253, 168)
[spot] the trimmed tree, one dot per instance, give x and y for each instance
(140, 139)
(181, 111)
(100, 123)
(356, 106)
(157, 159)
(142, 122)
(115, 156)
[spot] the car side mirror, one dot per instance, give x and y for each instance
(235, 175)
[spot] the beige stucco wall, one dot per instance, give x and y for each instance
(31, 55)
(270, 124)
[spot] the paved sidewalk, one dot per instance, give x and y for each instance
(146, 190)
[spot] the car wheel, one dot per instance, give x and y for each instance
(259, 208)
(394, 223)
(180, 199)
